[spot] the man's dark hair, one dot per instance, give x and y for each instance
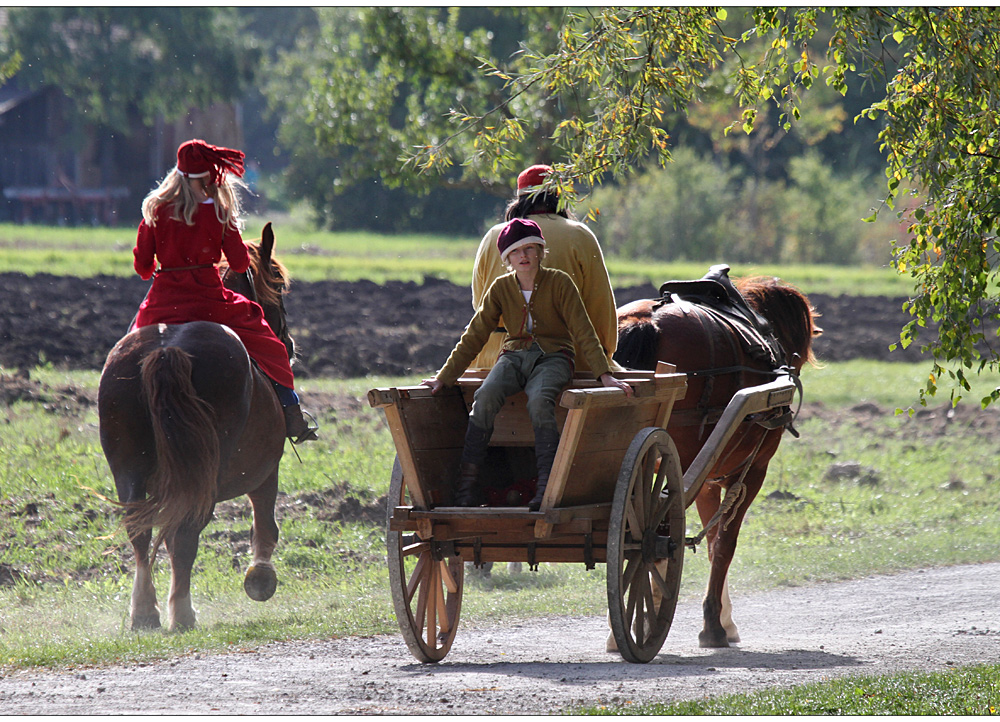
(522, 206)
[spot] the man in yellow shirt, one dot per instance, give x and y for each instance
(571, 247)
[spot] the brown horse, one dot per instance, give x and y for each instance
(719, 364)
(186, 421)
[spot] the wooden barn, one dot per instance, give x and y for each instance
(55, 172)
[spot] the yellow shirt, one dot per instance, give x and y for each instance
(573, 248)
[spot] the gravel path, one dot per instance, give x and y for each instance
(926, 620)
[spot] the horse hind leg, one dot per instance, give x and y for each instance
(261, 580)
(726, 615)
(144, 614)
(182, 547)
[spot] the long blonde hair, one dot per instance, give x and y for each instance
(176, 190)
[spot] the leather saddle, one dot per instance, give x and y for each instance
(715, 291)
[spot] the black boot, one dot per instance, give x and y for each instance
(546, 443)
(473, 455)
(296, 427)
(465, 495)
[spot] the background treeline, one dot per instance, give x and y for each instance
(330, 95)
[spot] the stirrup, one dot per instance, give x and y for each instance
(309, 434)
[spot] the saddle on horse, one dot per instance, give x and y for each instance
(716, 293)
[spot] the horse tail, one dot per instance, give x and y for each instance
(638, 340)
(187, 446)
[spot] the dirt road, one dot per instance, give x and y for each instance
(927, 620)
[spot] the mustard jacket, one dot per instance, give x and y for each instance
(573, 248)
(560, 323)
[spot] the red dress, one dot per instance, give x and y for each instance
(180, 296)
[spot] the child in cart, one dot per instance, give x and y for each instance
(545, 319)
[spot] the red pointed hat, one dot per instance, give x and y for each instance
(517, 233)
(197, 159)
(531, 178)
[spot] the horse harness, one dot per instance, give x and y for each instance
(714, 300)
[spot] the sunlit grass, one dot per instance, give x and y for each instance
(931, 505)
(964, 691)
(351, 256)
(896, 385)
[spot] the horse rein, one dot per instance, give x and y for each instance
(282, 332)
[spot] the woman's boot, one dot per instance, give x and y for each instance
(473, 455)
(296, 427)
(546, 443)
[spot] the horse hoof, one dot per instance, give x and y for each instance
(712, 641)
(260, 583)
(140, 623)
(611, 646)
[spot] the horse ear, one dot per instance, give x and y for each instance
(266, 244)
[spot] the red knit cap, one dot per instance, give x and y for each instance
(531, 178)
(517, 233)
(197, 159)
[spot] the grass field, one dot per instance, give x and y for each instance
(316, 256)
(932, 502)
(968, 691)
(332, 574)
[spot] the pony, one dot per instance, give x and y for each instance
(719, 363)
(186, 421)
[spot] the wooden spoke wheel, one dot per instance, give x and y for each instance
(426, 585)
(645, 545)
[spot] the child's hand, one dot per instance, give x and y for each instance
(611, 382)
(434, 384)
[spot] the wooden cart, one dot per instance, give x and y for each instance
(616, 495)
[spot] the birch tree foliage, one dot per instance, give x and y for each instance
(939, 134)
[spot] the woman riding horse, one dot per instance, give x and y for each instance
(188, 222)
(187, 421)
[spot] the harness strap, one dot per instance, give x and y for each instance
(735, 495)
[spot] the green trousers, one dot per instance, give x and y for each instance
(542, 376)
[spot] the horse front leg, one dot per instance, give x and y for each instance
(708, 502)
(719, 629)
(144, 614)
(182, 547)
(261, 580)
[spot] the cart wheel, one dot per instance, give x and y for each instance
(645, 545)
(426, 586)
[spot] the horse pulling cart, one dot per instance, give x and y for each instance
(616, 495)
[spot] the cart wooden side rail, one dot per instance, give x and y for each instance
(616, 495)
(751, 400)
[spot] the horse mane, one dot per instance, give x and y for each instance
(788, 310)
(270, 280)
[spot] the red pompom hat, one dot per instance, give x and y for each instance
(517, 233)
(531, 178)
(197, 159)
